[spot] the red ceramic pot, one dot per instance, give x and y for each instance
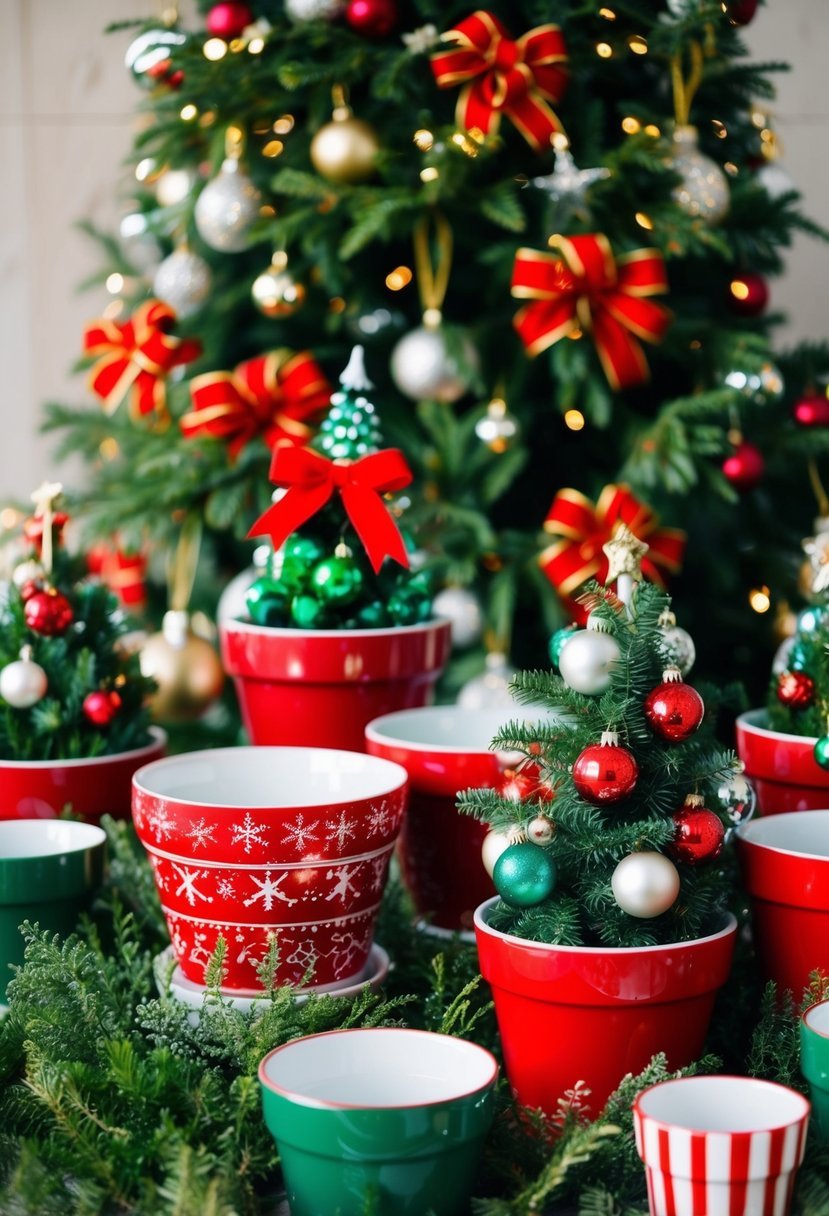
(785, 865)
(593, 1014)
(444, 749)
(320, 687)
(782, 767)
(248, 842)
(41, 789)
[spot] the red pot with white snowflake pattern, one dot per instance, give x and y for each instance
(250, 842)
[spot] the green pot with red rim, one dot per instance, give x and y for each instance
(378, 1121)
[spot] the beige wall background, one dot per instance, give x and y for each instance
(67, 107)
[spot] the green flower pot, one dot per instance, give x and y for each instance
(378, 1122)
(49, 870)
(814, 1064)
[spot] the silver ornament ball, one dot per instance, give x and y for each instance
(703, 187)
(149, 50)
(678, 647)
(183, 281)
(423, 367)
(491, 689)
(313, 10)
(226, 208)
(587, 660)
(775, 180)
(645, 884)
(460, 606)
(758, 385)
(139, 243)
(23, 683)
(737, 798)
(780, 662)
(492, 848)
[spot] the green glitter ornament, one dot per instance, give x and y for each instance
(558, 641)
(822, 751)
(524, 875)
(337, 579)
(351, 428)
(268, 602)
(409, 605)
(307, 612)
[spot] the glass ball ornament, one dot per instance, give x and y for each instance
(101, 707)
(307, 612)
(674, 710)
(747, 295)
(677, 645)
(186, 668)
(226, 208)
(424, 367)
(30, 571)
(48, 612)
(812, 410)
(821, 751)
(337, 580)
(605, 772)
(524, 875)
(795, 689)
(344, 150)
(268, 602)
(737, 798)
(745, 467)
(558, 641)
(149, 52)
(811, 618)
(23, 683)
(374, 615)
(493, 846)
(699, 833)
(275, 292)
(587, 661)
(300, 11)
(372, 18)
(758, 385)
(645, 884)
(462, 607)
(490, 690)
(702, 190)
(183, 280)
(228, 19)
(410, 604)
(140, 245)
(498, 429)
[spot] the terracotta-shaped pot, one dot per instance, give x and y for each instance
(593, 1013)
(321, 687)
(785, 865)
(782, 767)
(41, 789)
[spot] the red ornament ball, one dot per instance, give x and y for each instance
(740, 12)
(228, 20)
(372, 18)
(30, 588)
(605, 772)
(745, 467)
(48, 612)
(795, 689)
(163, 72)
(101, 707)
(674, 710)
(811, 410)
(748, 294)
(524, 785)
(699, 834)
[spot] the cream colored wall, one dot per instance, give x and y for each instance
(66, 109)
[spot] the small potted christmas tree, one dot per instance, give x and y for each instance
(73, 722)
(339, 630)
(609, 939)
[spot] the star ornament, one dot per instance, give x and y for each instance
(568, 183)
(624, 553)
(44, 497)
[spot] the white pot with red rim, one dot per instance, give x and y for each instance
(249, 842)
(782, 767)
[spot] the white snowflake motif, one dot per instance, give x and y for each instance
(160, 877)
(249, 833)
(200, 833)
(378, 865)
(199, 953)
(225, 888)
(187, 887)
(341, 830)
(344, 886)
(379, 820)
(304, 958)
(268, 891)
(161, 823)
(346, 950)
(300, 832)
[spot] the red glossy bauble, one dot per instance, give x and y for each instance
(748, 294)
(48, 612)
(228, 20)
(699, 834)
(811, 410)
(372, 18)
(740, 12)
(745, 467)
(524, 785)
(101, 707)
(605, 772)
(795, 689)
(674, 710)
(31, 587)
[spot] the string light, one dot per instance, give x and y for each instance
(604, 50)
(284, 124)
(429, 174)
(760, 599)
(467, 145)
(208, 118)
(145, 169)
(398, 278)
(653, 130)
(274, 147)
(637, 44)
(115, 283)
(108, 448)
(738, 289)
(644, 221)
(631, 125)
(607, 13)
(730, 168)
(719, 128)
(237, 45)
(189, 112)
(10, 517)
(267, 210)
(574, 420)
(336, 304)
(423, 139)
(256, 46)
(214, 48)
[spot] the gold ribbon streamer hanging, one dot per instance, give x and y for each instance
(685, 87)
(432, 274)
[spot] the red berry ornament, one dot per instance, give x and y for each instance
(48, 612)
(745, 467)
(795, 689)
(699, 832)
(674, 710)
(228, 20)
(811, 410)
(740, 12)
(372, 18)
(101, 707)
(748, 295)
(605, 772)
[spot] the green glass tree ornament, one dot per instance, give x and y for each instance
(307, 612)
(524, 875)
(351, 428)
(338, 579)
(268, 602)
(409, 605)
(558, 641)
(822, 751)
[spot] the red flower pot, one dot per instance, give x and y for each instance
(782, 767)
(592, 1013)
(785, 866)
(102, 785)
(249, 842)
(320, 687)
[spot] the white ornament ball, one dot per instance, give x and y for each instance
(780, 662)
(24, 572)
(423, 368)
(775, 180)
(183, 281)
(492, 848)
(540, 830)
(23, 683)
(313, 10)
(703, 188)
(645, 884)
(226, 208)
(490, 690)
(460, 606)
(586, 661)
(173, 186)
(678, 647)
(140, 244)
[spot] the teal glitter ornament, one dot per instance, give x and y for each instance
(822, 751)
(524, 875)
(268, 602)
(410, 605)
(558, 641)
(338, 579)
(798, 659)
(307, 612)
(810, 619)
(351, 428)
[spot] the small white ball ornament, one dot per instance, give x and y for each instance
(27, 571)
(780, 662)
(183, 281)
(677, 644)
(645, 884)
(460, 606)
(423, 368)
(491, 689)
(492, 848)
(541, 830)
(23, 683)
(587, 660)
(226, 208)
(313, 10)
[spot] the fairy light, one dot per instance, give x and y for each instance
(758, 118)
(574, 420)
(467, 145)
(284, 124)
(274, 147)
(739, 289)
(653, 130)
(398, 278)
(214, 48)
(604, 50)
(115, 283)
(644, 221)
(336, 304)
(10, 517)
(719, 128)
(237, 45)
(760, 599)
(261, 126)
(108, 448)
(256, 46)
(189, 112)
(553, 240)
(638, 44)
(208, 118)
(607, 13)
(423, 139)
(145, 169)
(267, 211)
(429, 174)
(731, 169)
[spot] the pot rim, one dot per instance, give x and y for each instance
(705, 1131)
(159, 739)
(750, 723)
(744, 839)
(375, 733)
(821, 1034)
(234, 625)
(482, 925)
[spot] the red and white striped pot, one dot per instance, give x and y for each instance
(720, 1146)
(782, 767)
(247, 842)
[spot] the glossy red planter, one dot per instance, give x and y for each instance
(40, 789)
(782, 767)
(785, 865)
(319, 688)
(593, 1014)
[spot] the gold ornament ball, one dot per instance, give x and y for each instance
(188, 672)
(276, 293)
(345, 150)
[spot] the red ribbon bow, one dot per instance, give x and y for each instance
(273, 395)
(124, 573)
(134, 359)
(504, 77)
(586, 288)
(584, 528)
(311, 480)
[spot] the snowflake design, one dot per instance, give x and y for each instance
(268, 891)
(199, 952)
(161, 823)
(160, 876)
(379, 820)
(341, 830)
(249, 833)
(344, 886)
(200, 833)
(378, 873)
(348, 948)
(225, 888)
(300, 832)
(187, 887)
(304, 958)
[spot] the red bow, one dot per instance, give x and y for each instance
(134, 358)
(584, 528)
(586, 288)
(311, 480)
(123, 573)
(504, 77)
(273, 395)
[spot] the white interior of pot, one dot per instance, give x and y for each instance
(448, 728)
(802, 832)
(46, 837)
(723, 1104)
(817, 1018)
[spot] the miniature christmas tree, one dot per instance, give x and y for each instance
(67, 689)
(618, 843)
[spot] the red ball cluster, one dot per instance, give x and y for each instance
(524, 785)
(101, 707)
(795, 689)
